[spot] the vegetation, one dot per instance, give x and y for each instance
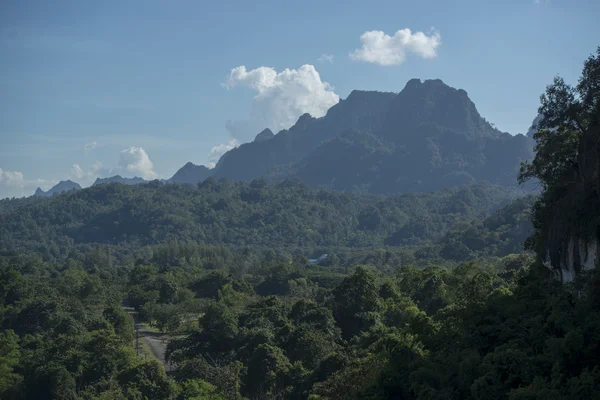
(422, 296)
(287, 216)
(567, 163)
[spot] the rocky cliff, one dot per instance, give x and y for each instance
(570, 227)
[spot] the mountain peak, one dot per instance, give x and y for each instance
(266, 134)
(431, 84)
(190, 173)
(433, 102)
(305, 118)
(60, 187)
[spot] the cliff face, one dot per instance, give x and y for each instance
(571, 229)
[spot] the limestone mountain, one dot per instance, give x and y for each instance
(266, 134)
(60, 187)
(190, 173)
(363, 111)
(427, 137)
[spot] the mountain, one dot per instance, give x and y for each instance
(119, 179)
(348, 162)
(190, 173)
(264, 135)
(362, 111)
(429, 136)
(60, 187)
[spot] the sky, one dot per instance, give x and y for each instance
(139, 88)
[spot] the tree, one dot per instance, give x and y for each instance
(268, 369)
(147, 380)
(197, 389)
(9, 359)
(356, 302)
(567, 163)
(568, 113)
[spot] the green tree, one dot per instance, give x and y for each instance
(356, 302)
(567, 114)
(9, 358)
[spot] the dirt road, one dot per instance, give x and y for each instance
(157, 343)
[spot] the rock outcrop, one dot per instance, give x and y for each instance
(570, 241)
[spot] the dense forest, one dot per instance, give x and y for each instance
(441, 295)
(288, 216)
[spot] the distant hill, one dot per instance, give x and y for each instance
(60, 187)
(190, 173)
(286, 215)
(427, 137)
(119, 179)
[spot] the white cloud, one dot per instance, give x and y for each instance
(10, 177)
(380, 48)
(77, 171)
(86, 178)
(217, 151)
(325, 58)
(14, 184)
(135, 160)
(89, 146)
(281, 98)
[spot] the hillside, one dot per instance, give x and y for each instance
(287, 215)
(362, 110)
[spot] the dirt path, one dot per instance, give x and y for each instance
(157, 343)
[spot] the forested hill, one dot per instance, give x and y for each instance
(428, 137)
(289, 215)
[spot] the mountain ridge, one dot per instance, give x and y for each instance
(433, 134)
(60, 187)
(119, 179)
(428, 136)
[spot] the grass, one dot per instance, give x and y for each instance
(150, 328)
(144, 350)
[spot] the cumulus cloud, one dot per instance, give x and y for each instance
(89, 146)
(281, 98)
(14, 184)
(10, 177)
(217, 151)
(325, 58)
(380, 48)
(87, 177)
(136, 161)
(77, 171)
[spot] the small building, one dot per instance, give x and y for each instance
(318, 260)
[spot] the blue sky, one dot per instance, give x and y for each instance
(147, 85)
